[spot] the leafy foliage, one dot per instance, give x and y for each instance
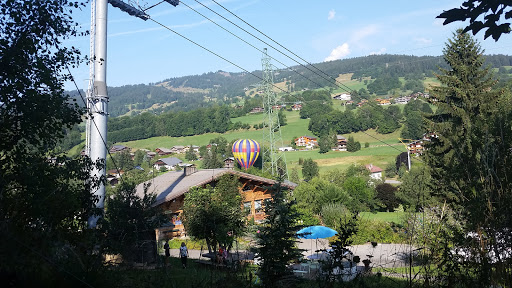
(386, 196)
(470, 162)
(215, 213)
(493, 12)
(129, 220)
(415, 191)
(277, 240)
(309, 169)
(352, 145)
(46, 197)
(313, 195)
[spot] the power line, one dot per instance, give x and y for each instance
(336, 82)
(270, 45)
(310, 64)
(232, 63)
(216, 54)
(238, 37)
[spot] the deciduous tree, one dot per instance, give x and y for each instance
(495, 13)
(215, 213)
(277, 240)
(309, 169)
(45, 197)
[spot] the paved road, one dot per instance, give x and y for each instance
(383, 255)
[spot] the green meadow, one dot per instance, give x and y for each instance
(383, 147)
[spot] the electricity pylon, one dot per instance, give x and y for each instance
(274, 161)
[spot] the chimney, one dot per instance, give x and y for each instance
(189, 169)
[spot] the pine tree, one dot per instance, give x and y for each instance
(277, 240)
(464, 103)
(470, 163)
(352, 145)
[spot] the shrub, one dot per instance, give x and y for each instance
(376, 231)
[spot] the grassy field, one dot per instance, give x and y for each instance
(382, 151)
(397, 217)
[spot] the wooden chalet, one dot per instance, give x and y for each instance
(341, 143)
(306, 141)
(171, 188)
(163, 151)
(118, 148)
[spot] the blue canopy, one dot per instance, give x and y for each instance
(316, 232)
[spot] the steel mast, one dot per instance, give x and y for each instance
(274, 161)
(98, 102)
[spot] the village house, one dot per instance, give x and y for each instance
(229, 163)
(383, 101)
(113, 176)
(306, 141)
(284, 149)
(296, 107)
(375, 172)
(343, 96)
(194, 148)
(150, 155)
(170, 189)
(118, 148)
(178, 149)
(341, 143)
(415, 147)
(169, 163)
(257, 110)
(163, 151)
(360, 104)
(402, 100)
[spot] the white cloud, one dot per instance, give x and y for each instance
(331, 15)
(422, 41)
(381, 51)
(338, 52)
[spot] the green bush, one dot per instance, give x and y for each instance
(378, 231)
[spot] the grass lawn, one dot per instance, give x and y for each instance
(197, 275)
(383, 147)
(397, 217)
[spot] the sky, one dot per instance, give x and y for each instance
(316, 31)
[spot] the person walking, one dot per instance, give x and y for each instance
(183, 255)
(167, 252)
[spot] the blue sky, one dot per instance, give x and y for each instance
(143, 52)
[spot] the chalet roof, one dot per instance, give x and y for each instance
(165, 150)
(118, 147)
(305, 136)
(340, 137)
(373, 168)
(172, 185)
(171, 161)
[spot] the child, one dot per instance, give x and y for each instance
(183, 254)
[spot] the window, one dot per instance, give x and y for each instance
(258, 208)
(247, 208)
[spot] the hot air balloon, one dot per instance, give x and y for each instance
(246, 152)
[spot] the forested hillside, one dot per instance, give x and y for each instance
(198, 91)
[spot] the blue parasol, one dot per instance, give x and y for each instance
(316, 232)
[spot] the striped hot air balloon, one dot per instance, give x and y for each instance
(246, 152)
